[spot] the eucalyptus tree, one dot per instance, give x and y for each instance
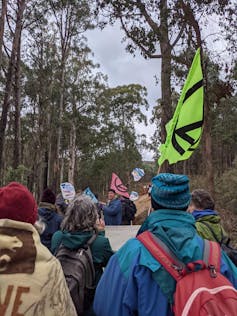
(16, 36)
(83, 85)
(121, 108)
(19, 16)
(2, 27)
(72, 19)
(41, 95)
(166, 30)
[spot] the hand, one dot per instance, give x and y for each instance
(100, 224)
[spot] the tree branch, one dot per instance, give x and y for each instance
(178, 36)
(150, 21)
(143, 49)
(188, 13)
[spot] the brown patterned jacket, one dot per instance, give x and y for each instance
(31, 278)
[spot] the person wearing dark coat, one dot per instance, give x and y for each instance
(113, 210)
(48, 214)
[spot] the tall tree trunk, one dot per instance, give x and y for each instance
(46, 168)
(17, 121)
(207, 154)
(209, 172)
(62, 164)
(9, 79)
(165, 74)
(2, 27)
(59, 129)
(72, 159)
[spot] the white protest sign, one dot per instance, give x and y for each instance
(68, 191)
(138, 174)
(134, 196)
(118, 235)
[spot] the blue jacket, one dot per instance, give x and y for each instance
(113, 212)
(52, 220)
(134, 283)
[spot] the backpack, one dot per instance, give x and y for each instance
(128, 211)
(79, 273)
(225, 245)
(201, 290)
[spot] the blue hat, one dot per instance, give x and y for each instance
(171, 190)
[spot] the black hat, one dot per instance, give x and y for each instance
(48, 196)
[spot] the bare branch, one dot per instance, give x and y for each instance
(178, 36)
(9, 24)
(143, 49)
(150, 21)
(193, 22)
(7, 50)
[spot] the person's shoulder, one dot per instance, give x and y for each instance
(58, 217)
(131, 247)
(101, 237)
(57, 235)
(129, 253)
(116, 201)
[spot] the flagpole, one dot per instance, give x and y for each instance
(158, 171)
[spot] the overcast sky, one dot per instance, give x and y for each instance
(122, 68)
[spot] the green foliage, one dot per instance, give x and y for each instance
(19, 174)
(226, 187)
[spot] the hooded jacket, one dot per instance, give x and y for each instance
(134, 283)
(31, 278)
(52, 221)
(100, 248)
(208, 225)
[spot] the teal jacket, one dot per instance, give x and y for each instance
(134, 283)
(100, 248)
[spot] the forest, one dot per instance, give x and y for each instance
(61, 121)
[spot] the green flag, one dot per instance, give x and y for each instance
(185, 128)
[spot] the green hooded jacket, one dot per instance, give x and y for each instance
(208, 225)
(100, 248)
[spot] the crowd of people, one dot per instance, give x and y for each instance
(39, 242)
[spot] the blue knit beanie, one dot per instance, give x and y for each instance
(171, 190)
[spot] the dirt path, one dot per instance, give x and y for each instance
(143, 206)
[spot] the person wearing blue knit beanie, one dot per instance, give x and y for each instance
(134, 282)
(171, 191)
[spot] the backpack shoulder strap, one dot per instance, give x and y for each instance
(161, 253)
(88, 254)
(93, 238)
(212, 255)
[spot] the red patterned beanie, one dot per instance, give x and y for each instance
(17, 203)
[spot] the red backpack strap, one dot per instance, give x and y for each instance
(212, 256)
(161, 253)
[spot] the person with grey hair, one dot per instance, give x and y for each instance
(81, 229)
(78, 225)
